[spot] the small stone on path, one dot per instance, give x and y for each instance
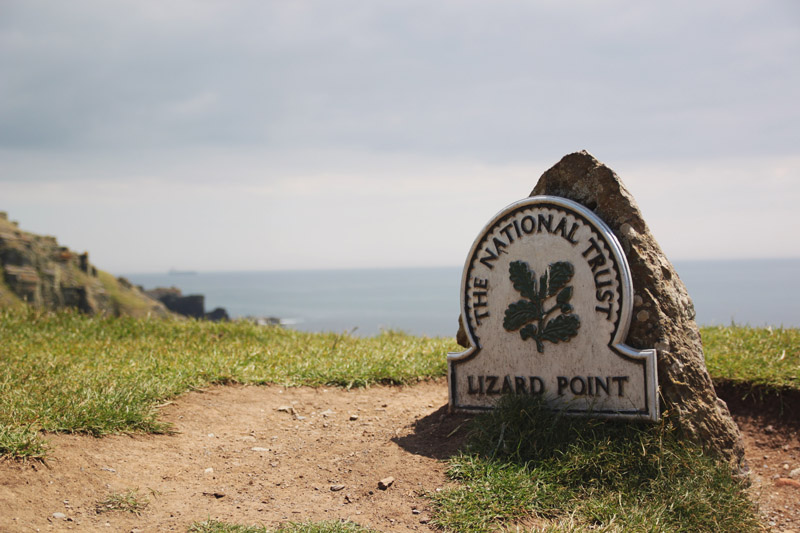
(336, 488)
(59, 516)
(385, 483)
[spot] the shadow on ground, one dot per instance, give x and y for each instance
(438, 435)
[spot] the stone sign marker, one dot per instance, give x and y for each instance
(546, 298)
(662, 311)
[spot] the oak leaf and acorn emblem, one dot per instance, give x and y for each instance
(529, 315)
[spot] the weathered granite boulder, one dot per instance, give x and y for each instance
(663, 314)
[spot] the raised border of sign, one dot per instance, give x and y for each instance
(650, 411)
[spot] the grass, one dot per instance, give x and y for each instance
(9, 300)
(767, 358)
(66, 372)
(129, 501)
(125, 301)
(21, 442)
(526, 465)
(214, 526)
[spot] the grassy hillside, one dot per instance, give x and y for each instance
(75, 373)
(36, 271)
(96, 375)
(68, 372)
(8, 298)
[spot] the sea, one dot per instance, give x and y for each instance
(425, 301)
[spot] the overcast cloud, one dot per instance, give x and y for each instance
(228, 135)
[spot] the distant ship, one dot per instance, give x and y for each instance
(174, 272)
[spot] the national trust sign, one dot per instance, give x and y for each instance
(546, 301)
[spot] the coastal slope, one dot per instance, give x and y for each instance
(37, 272)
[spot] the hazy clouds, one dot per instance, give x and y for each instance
(251, 112)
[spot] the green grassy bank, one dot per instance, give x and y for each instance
(764, 358)
(522, 467)
(67, 372)
(528, 466)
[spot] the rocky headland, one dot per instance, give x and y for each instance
(37, 272)
(192, 305)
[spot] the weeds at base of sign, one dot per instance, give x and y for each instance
(524, 462)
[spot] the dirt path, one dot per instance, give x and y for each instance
(266, 455)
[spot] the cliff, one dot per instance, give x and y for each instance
(36, 271)
(193, 305)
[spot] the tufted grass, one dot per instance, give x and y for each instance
(215, 526)
(129, 501)
(526, 466)
(66, 372)
(766, 358)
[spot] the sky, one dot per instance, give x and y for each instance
(270, 135)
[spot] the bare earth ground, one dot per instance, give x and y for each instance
(267, 455)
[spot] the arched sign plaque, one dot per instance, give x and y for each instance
(546, 302)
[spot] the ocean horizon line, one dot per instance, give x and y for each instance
(426, 300)
(191, 271)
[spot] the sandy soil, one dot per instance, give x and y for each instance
(771, 431)
(266, 455)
